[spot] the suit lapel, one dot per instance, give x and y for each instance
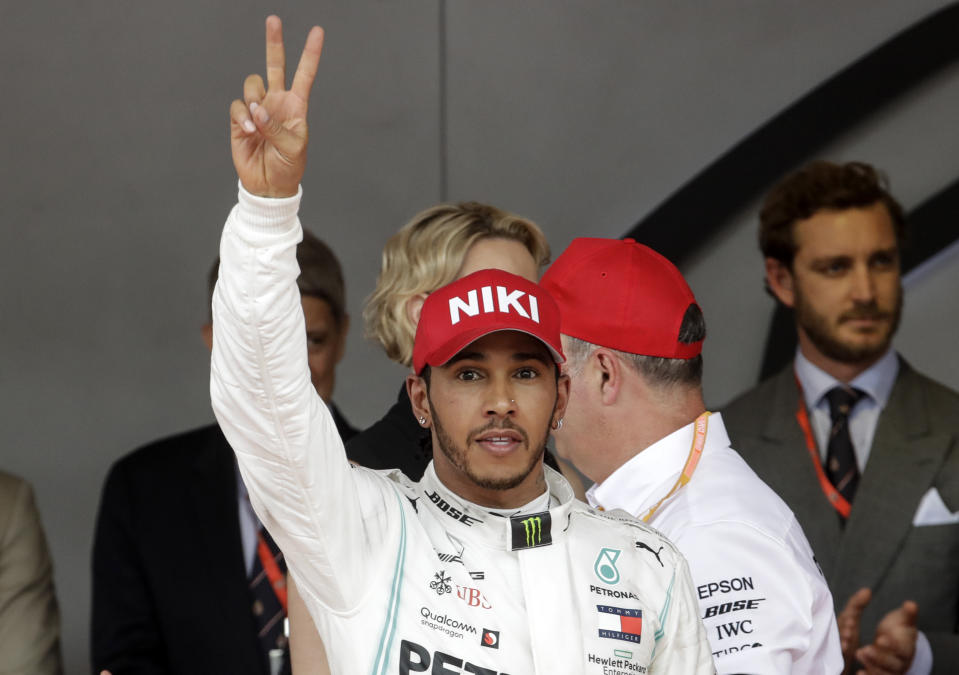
(792, 474)
(902, 465)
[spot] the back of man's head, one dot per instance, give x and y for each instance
(320, 275)
(624, 296)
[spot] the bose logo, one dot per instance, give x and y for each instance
(504, 302)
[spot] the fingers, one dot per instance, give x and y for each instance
(309, 62)
(857, 603)
(253, 91)
(275, 57)
(910, 612)
(240, 117)
(880, 660)
(848, 620)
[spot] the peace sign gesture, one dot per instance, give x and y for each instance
(268, 130)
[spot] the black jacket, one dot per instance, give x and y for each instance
(170, 592)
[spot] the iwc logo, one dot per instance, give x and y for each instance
(605, 566)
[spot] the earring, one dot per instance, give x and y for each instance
(422, 420)
(559, 424)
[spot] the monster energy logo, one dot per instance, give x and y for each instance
(534, 531)
(531, 531)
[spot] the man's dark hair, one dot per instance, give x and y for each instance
(320, 275)
(820, 185)
(656, 370)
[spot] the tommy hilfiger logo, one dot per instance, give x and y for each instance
(490, 638)
(503, 302)
(620, 623)
(531, 531)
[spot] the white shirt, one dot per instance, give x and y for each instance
(763, 599)
(407, 577)
(876, 382)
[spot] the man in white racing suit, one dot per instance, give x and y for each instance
(488, 565)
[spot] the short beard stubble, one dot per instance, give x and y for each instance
(824, 337)
(457, 455)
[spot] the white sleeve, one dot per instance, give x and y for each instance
(683, 647)
(766, 609)
(922, 660)
(334, 524)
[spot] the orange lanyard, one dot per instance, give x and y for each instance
(692, 461)
(837, 501)
(273, 573)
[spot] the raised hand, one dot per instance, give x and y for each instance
(268, 129)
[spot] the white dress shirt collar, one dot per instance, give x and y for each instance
(876, 381)
(643, 480)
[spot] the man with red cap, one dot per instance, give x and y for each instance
(636, 424)
(488, 565)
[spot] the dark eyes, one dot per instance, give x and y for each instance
(835, 267)
(522, 373)
(840, 266)
(883, 261)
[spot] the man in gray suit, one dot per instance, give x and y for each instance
(29, 617)
(864, 449)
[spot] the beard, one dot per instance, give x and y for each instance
(457, 455)
(825, 336)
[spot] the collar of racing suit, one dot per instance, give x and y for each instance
(495, 531)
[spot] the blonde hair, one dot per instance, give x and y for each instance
(426, 254)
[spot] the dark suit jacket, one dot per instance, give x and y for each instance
(396, 441)
(916, 447)
(170, 592)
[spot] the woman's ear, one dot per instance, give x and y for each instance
(414, 306)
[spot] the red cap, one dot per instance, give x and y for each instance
(620, 294)
(479, 304)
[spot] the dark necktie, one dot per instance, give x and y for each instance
(268, 611)
(841, 466)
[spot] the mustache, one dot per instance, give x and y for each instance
(871, 312)
(498, 426)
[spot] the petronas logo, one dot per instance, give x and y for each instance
(534, 531)
(605, 566)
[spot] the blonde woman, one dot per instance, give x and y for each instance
(437, 246)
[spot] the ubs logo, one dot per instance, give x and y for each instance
(441, 583)
(473, 597)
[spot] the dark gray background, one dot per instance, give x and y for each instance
(116, 177)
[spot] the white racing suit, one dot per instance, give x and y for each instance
(404, 577)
